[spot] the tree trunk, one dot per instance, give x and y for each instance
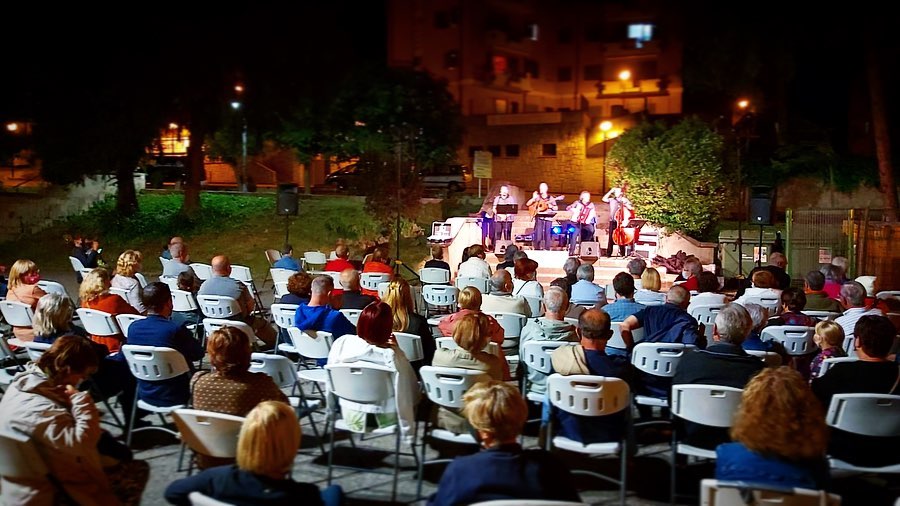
(126, 197)
(196, 171)
(880, 131)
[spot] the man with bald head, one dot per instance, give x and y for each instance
(666, 323)
(500, 299)
(351, 297)
(179, 263)
(222, 285)
(342, 262)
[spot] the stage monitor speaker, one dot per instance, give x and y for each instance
(288, 199)
(500, 247)
(761, 200)
(589, 250)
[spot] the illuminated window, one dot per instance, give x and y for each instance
(640, 33)
(501, 106)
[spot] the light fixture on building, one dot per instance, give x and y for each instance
(625, 75)
(12, 127)
(173, 126)
(743, 103)
(238, 88)
(606, 126)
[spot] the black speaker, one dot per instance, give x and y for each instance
(761, 200)
(288, 201)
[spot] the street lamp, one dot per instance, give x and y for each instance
(605, 126)
(236, 106)
(624, 75)
(743, 103)
(12, 127)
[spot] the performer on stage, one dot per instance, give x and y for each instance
(542, 202)
(503, 222)
(584, 217)
(617, 201)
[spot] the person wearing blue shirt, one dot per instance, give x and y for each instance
(287, 260)
(624, 305)
(318, 313)
(585, 291)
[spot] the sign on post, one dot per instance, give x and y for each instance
(483, 167)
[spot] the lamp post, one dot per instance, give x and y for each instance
(605, 126)
(243, 183)
(742, 108)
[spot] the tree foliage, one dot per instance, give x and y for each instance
(675, 175)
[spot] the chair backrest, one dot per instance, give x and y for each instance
(433, 275)
(706, 314)
(795, 339)
(886, 294)
(822, 315)
(352, 315)
(172, 281)
(218, 306)
(35, 350)
(209, 433)
(211, 325)
(281, 289)
(586, 395)
(370, 280)
(770, 303)
(21, 460)
(280, 368)
(659, 359)
(383, 289)
(482, 284)
(849, 345)
(536, 304)
(537, 354)
(154, 363)
(52, 287)
(241, 273)
(449, 344)
(272, 256)
(164, 262)
(125, 321)
(202, 271)
(411, 345)
(121, 292)
(184, 301)
(313, 344)
(98, 323)
(315, 258)
(17, 314)
(142, 280)
(283, 314)
(722, 493)
(199, 499)
(616, 340)
(440, 295)
(361, 382)
(829, 362)
(712, 405)
(279, 275)
(770, 358)
(445, 386)
(77, 266)
(512, 324)
(335, 278)
(875, 415)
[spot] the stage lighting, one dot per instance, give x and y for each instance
(571, 229)
(556, 229)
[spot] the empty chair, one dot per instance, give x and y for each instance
(658, 359)
(284, 373)
(796, 340)
(482, 284)
(272, 256)
(202, 271)
(315, 260)
(706, 315)
(434, 276)
(125, 321)
(208, 433)
(153, 364)
(312, 345)
(371, 280)
(512, 324)
(723, 493)
(441, 296)
(217, 306)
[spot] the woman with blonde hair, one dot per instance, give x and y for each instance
(266, 449)
(502, 470)
(469, 303)
(129, 263)
(649, 292)
(399, 297)
(779, 432)
(23, 279)
(94, 294)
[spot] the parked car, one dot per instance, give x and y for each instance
(453, 178)
(344, 179)
(166, 169)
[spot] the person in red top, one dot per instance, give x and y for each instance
(378, 263)
(23, 278)
(342, 262)
(94, 293)
(690, 271)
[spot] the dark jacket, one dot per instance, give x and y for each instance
(735, 462)
(355, 300)
(238, 487)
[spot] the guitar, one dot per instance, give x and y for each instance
(540, 206)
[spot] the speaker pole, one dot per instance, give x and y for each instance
(287, 229)
(759, 256)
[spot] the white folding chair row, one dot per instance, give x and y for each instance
(482, 284)
(796, 340)
(822, 315)
(739, 493)
(352, 315)
(434, 276)
(371, 280)
(706, 315)
(616, 340)
(449, 344)
(872, 415)
(828, 363)
(770, 358)
(658, 359)
(202, 271)
(152, 363)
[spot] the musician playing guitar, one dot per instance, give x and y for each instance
(584, 217)
(620, 211)
(542, 207)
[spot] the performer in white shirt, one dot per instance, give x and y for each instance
(584, 217)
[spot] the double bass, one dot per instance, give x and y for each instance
(623, 235)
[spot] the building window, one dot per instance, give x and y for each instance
(513, 107)
(501, 106)
(495, 151)
(564, 35)
(564, 74)
(593, 72)
(473, 149)
(640, 33)
(512, 150)
(451, 60)
(532, 31)
(442, 19)
(593, 33)
(548, 149)
(531, 68)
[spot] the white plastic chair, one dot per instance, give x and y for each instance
(272, 256)
(796, 340)
(218, 306)
(886, 294)
(164, 262)
(315, 260)
(770, 358)
(21, 460)
(152, 363)
(312, 345)
(242, 274)
(121, 292)
(449, 344)
(512, 324)
(536, 355)
(440, 296)
(828, 363)
(352, 315)
(872, 415)
(35, 350)
(208, 433)
(434, 276)
(17, 314)
(98, 323)
(773, 304)
(125, 321)
(172, 281)
(616, 340)
(482, 284)
(536, 304)
(283, 314)
(141, 279)
(383, 289)
(706, 315)
(724, 493)
(184, 301)
(411, 345)
(281, 289)
(588, 396)
(822, 315)
(202, 271)
(211, 325)
(199, 499)
(281, 275)
(52, 287)
(370, 280)
(658, 359)
(78, 267)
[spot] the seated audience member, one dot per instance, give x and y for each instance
(266, 449)
(287, 260)
(550, 327)
(624, 305)
(589, 357)
(668, 323)
(722, 363)
(222, 285)
(342, 262)
(406, 319)
(649, 294)
(500, 299)
(872, 373)
(179, 264)
(570, 267)
(763, 286)
(53, 319)
(777, 266)
(437, 258)
(760, 318)
(525, 282)
(502, 470)
(708, 286)
(829, 338)
(129, 263)
(575, 310)
(853, 297)
(299, 287)
(472, 337)
(158, 330)
(834, 278)
(94, 294)
(636, 267)
(351, 296)
(779, 435)
(185, 283)
(380, 263)
(374, 343)
(63, 424)
(843, 264)
(816, 298)
(230, 387)
(793, 300)
(690, 272)
(470, 302)
(166, 251)
(87, 251)
(318, 313)
(585, 290)
(475, 266)
(22, 287)
(508, 258)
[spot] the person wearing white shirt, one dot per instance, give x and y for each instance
(525, 283)
(763, 288)
(584, 216)
(501, 299)
(853, 297)
(707, 285)
(475, 266)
